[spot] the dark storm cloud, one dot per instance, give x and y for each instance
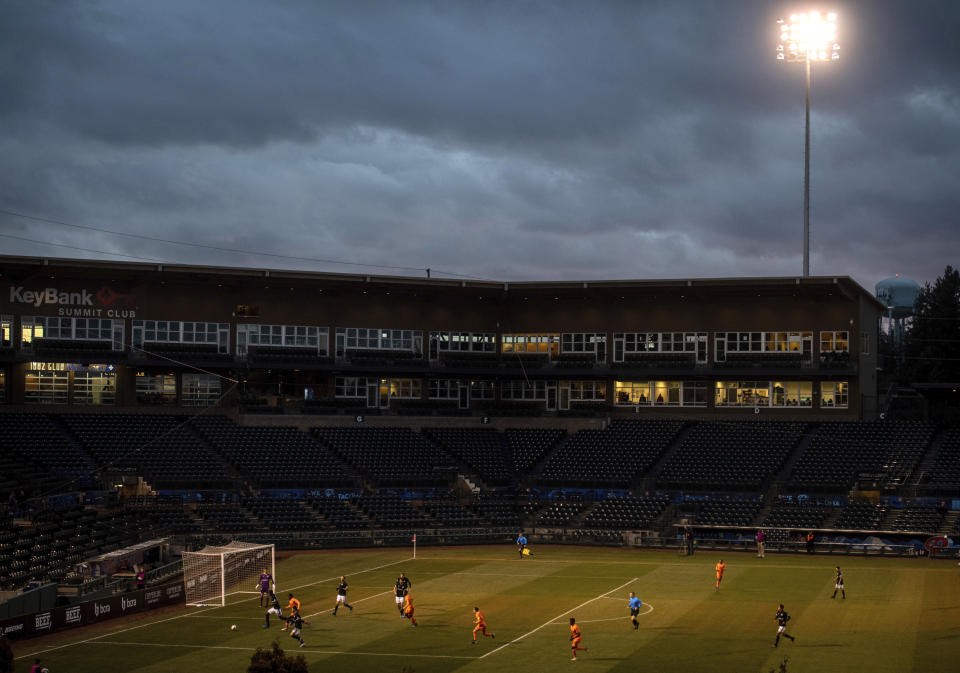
(508, 140)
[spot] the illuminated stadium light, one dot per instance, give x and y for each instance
(806, 38)
(810, 36)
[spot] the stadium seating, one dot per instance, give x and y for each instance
(38, 439)
(730, 456)
(920, 519)
(613, 457)
(944, 474)
(625, 513)
(790, 514)
(339, 514)
(281, 514)
(498, 509)
(388, 510)
(482, 449)
(860, 516)
(560, 513)
(727, 513)
(839, 452)
(158, 448)
(275, 456)
(528, 445)
(390, 456)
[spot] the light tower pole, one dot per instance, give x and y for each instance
(806, 38)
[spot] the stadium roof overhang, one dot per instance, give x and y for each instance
(781, 285)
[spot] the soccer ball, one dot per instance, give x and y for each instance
(233, 627)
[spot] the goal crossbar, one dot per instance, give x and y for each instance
(210, 573)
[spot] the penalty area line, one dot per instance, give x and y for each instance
(193, 614)
(551, 621)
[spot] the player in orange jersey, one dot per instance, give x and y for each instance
(575, 637)
(408, 609)
(293, 605)
(721, 566)
(480, 624)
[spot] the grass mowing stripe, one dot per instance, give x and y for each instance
(307, 651)
(169, 619)
(548, 623)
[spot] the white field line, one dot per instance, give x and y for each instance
(388, 591)
(195, 616)
(192, 614)
(609, 619)
(306, 651)
(708, 563)
(548, 623)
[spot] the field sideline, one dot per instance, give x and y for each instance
(900, 615)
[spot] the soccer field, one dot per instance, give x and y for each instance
(899, 615)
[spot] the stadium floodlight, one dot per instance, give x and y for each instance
(806, 38)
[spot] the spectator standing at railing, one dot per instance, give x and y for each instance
(810, 540)
(141, 579)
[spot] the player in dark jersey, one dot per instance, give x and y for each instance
(342, 595)
(297, 621)
(274, 609)
(401, 588)
(782, 618)
(838, 586)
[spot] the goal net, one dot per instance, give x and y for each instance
(213, 573)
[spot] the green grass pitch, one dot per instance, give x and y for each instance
(899, 615)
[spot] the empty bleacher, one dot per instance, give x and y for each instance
(528, 445)
(158, 448)
(37, 440)
(274, 456)
(727, 513)
(389, 510)
(390, 456)
(839, 452)
(625, 513)
(944, 474)
(480, 448)
(613, 457)
(731, 456)
(860, 516)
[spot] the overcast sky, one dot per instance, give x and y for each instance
(504, 140)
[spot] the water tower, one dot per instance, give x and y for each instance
(899, 295)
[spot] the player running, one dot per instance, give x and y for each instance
(782, 618)
(635, 604)
(408, 609)
(297, 621)
(274, 610)
(293, 605)
(721, 567)
(522, 544)
(480, 624)
(838, 586)
(342, 595)
(401, 588)
(575, 637)
(267, 586)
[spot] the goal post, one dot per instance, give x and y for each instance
(215, 572)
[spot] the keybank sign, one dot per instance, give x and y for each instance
(49, 296)
(104, 303)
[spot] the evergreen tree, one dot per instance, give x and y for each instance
(932, 342)
(275, 661)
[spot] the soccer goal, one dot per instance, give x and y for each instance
(213, 573)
